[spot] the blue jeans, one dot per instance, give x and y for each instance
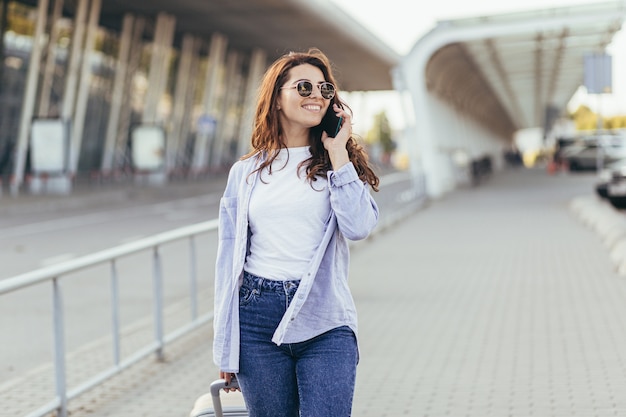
(314, 378)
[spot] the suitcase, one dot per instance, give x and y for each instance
(217, 410)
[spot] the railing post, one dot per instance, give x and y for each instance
(115, 313)
(53, 274)
(59, 346)
(157, 277)
(193, 278)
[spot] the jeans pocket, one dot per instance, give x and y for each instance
(247, 295)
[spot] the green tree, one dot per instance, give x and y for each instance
(381, 134)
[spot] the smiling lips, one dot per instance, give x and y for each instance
(312, 107)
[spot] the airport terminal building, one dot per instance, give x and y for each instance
(111, 90)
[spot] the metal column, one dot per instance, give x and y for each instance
(206, 131)
(159, 66)
(118, 94)
(120, 154)
(183, 156)
(48, 73)
(225, 132)
(152, 119)
(71, 80)
(181, 106)
(29, 98)
(83, 87)
(62, 183)
(257, 67)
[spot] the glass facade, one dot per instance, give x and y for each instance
(18, 27)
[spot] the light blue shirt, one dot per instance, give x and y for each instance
(323, 300)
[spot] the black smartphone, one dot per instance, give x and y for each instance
(331, 123)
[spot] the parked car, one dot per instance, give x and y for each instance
(587, 153)
(611, 183)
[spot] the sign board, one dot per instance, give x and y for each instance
(148, 148)
(598, 73)
(49, 146)
(206, 125)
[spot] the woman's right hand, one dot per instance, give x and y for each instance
(336, 147)
(228, 377)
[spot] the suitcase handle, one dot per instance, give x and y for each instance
(216, 387)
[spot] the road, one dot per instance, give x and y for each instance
(36, 232)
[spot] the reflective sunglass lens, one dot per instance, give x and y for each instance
(327, 90)
(305, 88)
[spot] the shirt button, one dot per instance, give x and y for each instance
(301, 296)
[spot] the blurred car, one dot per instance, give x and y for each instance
(611, 183)
(588, 153)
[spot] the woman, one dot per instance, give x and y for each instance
(285, 321)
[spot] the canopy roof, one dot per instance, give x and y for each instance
(505, 71)
(363, 61)
(510, 71)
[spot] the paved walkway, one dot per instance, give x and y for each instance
(493, 301)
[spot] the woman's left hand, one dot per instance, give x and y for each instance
(336, 146)
(228, 377)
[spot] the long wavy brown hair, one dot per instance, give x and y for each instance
(267, 131)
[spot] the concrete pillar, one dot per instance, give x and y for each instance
(84, 86)
(28, 106)
(120, 156)
(48, 72)
(207, 126)
(256, 69)
(157, 86)
(71, 78)
(225, 132)
(182, 105)
(117, 95)
(159, 66)
(184, 157)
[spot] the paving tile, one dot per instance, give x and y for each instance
(492, 301)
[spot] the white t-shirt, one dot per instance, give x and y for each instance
(287, 217)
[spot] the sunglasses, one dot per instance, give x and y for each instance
(305, 89)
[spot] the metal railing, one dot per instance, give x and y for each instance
(52, 275)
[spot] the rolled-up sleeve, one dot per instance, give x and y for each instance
(352, 202)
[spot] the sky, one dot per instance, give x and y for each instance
(400, 23)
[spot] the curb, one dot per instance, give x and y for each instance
(608, 222)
